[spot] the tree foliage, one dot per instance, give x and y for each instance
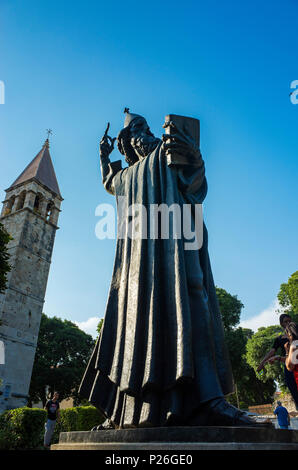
(250, 390)
(62, 354)
(260, 344)
(4, 256)
(262, 341)
(99, 326)
(230, 308)
(288, 296)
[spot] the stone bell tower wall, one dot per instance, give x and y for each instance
(30, 215)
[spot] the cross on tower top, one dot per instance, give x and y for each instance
(49, 132)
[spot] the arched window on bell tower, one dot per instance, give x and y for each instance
(49, 210)
(37, 202)
(21, 201)
(9, 205)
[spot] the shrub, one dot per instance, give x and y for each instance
(88, 417)
(22, 428)
(8, 439)
(79, 418)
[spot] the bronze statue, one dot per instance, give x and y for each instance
(161, 358)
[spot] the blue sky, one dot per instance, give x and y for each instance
(72, 66)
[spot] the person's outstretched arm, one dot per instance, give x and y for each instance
(271, 353)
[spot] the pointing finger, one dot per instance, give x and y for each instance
(107, 129)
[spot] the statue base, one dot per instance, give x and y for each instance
(180, 438)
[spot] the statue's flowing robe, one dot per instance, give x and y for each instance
(161, 353)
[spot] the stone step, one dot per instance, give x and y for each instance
(182, 438)
(176, 446)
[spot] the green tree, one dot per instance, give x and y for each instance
(230, 308)
(62, 354)
(257, 346)
(99, 326)
(288, 296)
(4, 256)
(262, 341)
(249, 390)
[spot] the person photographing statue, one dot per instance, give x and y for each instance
(53, 411)
(280, 344)
(291, 348)
(161, 359)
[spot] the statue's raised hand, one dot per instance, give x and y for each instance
(106, 145)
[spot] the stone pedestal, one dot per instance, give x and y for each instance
(181, 438)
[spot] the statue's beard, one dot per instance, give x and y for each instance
(144, 145)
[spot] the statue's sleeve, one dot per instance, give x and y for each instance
(191, 173)
(109, 171)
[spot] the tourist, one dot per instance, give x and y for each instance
(291, 347)
(283, 416)
(52, 407)
(271, 357)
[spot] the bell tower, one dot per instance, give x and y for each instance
(30, 215)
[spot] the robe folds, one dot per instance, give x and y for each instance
(161, 353)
